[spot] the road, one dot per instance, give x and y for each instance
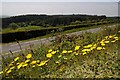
(14, 47)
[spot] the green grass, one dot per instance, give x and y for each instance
(63, 32)
(96, 63)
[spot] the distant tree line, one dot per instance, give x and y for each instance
(47, 20)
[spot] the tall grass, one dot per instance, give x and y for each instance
(88, 55)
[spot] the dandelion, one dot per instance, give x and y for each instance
(65, 58)
(33, 62)
(53, 52)
(106, 41)
(12, 67)
(42, 63)
(94, 45)
(110, 37)
(33, 66)
(116, 37)
(84, 50)
(20, 65)
(29, 56)
(57, 62)
(70, 51)
(50, 50)
(91, 48)
(103, 48)
(84, 53)
(106, 37)
(49, 55)
(38, 61)
(64, 51)
(9, 71)
(102, 44)
(24, 65)
(59, 56)
(10, 64)
(88, 46)
(27, 61)
(75, 53)
(1, 72)
(99, 48)
(77, 48)
(6, 69)
(17, 58)
(113, 41)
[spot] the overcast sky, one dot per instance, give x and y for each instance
(60, 0)
(21, 7)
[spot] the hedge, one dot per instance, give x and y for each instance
(23, 35)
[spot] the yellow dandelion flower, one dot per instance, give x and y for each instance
(113, 41)
(10, 64)
(91, 48)
(38, 61)
(99, 48)
(103, 48)
(110, 37)
(9, 71)
(6, 69)
(65, 58)
(24, 65)
(1, 72)
(106, 37)
(116, 37)
(33, 62)
(103, 44)
(77, 48)
(53, 52)
(118, 31)
(88, 46)
(106, 41)
(42, 63)
(88, 50)
(75, 53)
(64, 51)
(26, 61)
(29, 56)
(94, 45)
(12, 67)
(17, 58)
(84, 50)
(49, 55)
(57, 50)
(20, 65)
(84, 53)
(50, 50)
(33, 66)
(70, 51)
(59, 56)
(57, 62)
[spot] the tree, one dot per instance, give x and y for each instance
(13, 26)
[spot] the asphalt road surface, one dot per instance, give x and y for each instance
(14, 47)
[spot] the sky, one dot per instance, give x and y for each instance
(53, 7)
(60, 0)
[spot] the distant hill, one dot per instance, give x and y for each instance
(48, 20)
